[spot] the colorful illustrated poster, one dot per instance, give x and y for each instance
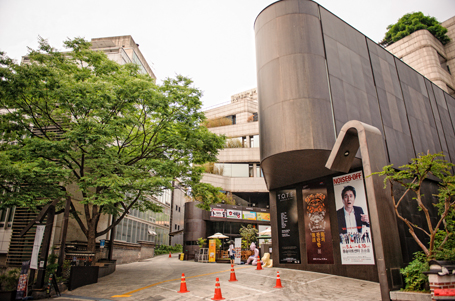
(288, 226)
(218, 212)
(318, 236)
(212, 250)
(263, 216)
(238, 250)
(251, 215)
(232, 213)
(353, 220)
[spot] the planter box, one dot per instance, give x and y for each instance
(81, 276)
(7, 295)
(405, 296)
(440, 277)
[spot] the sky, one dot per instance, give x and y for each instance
(210, 41)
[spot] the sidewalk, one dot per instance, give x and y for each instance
(160, 279)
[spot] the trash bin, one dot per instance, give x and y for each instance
(182, 255)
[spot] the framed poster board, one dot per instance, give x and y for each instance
(288, 226)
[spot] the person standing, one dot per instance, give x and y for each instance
(231, 252)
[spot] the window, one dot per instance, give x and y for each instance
(250, 170)
(259, 171)
(443, 62)
(254, 141)
(233, 118)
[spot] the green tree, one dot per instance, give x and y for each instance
(411, 177)
(413, 22)
(248, 234)
(77, 122)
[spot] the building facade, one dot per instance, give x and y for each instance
(316, 74)
(237, 172)
(426, 54)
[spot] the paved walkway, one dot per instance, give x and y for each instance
(159, 278)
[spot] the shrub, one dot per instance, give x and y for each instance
(234, 143)
(9, 279)
(165, 249)
(410, 23)
(414, 278)
(216, 122)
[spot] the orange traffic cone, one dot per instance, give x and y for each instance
(232, 274)
(218, 295)
(259, 265)
(183, 285)
(170, 255)
(278, 280)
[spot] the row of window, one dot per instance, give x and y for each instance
(132, 231)
(239, 170)
(243, 142)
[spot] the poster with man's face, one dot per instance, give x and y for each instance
(353, 219)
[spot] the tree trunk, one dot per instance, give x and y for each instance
(91, 239)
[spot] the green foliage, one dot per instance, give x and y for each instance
(248, 234)
(411, 177)
(51, 267)
(165, 249)
(218, 243)
(412, 22)
(201, 242)
(9, 279)
(111, 132)
(415, 280)
(445, 252)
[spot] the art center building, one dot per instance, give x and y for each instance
(315, 75)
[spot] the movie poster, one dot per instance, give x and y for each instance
(318, 235)
(353, 219)
(288, 226)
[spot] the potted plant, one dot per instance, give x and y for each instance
(8, 284)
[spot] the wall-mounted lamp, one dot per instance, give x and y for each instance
(254, 205)
(346, 153)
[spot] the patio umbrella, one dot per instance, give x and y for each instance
(218, 235)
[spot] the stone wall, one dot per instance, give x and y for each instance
(131, 252)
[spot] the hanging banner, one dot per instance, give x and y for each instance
(353, 221)
(218, 212)
(251, 215)
(212, 250)
(238, 250)
(232, 213)
(288, 226)
(36, 246)
(318, 235)
(262, 216)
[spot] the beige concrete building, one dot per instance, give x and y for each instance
(423, 52)
(240, 165)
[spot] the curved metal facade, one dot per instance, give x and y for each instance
(315, 73)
